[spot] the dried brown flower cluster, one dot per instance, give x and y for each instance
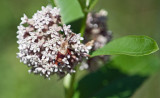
(97, 30)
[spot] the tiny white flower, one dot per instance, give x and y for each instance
(24, 19)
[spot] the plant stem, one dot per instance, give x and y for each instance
(69, 85)
(83, 26)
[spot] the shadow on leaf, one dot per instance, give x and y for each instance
(76, 25)
(107, 82)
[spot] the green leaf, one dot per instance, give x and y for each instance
(107, 82)
(142, 65)
(130, 45)
(150, 88)
(70, 10)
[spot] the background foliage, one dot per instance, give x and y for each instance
(125, 17)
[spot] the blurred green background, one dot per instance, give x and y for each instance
(140, 17)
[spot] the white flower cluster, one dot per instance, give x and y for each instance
(47, 45)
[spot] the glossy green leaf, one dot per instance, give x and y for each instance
(130, 45)
(142, 65)
(70, 10)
